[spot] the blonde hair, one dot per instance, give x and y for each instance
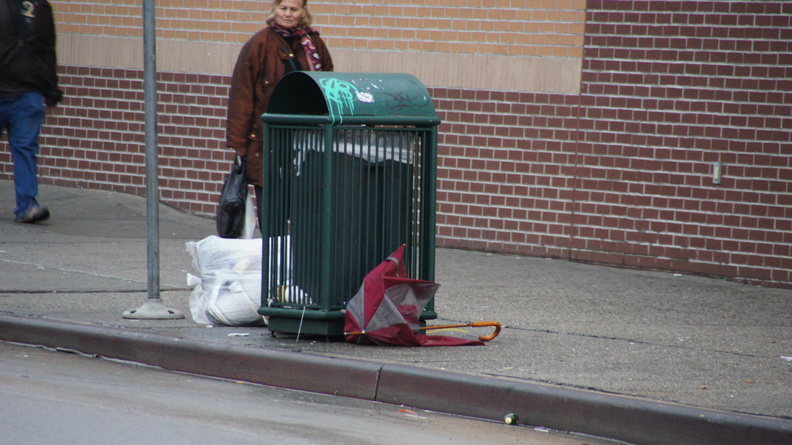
(305, 21)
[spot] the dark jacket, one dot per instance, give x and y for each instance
(261, 64)
(28, 60)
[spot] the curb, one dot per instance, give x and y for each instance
(598, 414)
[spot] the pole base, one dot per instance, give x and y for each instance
(153, 310)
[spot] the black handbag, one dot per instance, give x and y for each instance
(230, 218)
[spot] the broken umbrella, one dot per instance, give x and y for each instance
(386, 310)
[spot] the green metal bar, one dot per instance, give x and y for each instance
(264, 212)
(296, 119)
(300, 119)
(430, 190)
(310, 314)
(429, 214)
(327, 212)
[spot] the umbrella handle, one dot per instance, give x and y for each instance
(475, 324)
(481, 324)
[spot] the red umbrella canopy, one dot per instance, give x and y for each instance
(386, 309)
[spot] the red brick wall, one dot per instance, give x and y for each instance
(506, 171)
(623, 173)
(670, 89)
(95, 138)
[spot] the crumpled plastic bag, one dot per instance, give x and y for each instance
(228, 288)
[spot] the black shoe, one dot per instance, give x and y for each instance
(34, 215)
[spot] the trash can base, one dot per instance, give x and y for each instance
(309, 322)
(332, 330)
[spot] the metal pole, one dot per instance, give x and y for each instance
(153, 307)
(152, 164)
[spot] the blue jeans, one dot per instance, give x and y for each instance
(22, 117)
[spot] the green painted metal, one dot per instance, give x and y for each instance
(349, 176)
(353, 98)
(327, 234)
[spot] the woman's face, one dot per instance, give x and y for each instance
(288, 13)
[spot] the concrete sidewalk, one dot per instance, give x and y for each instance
(639, 356)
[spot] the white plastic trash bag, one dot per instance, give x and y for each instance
(228, 288)
(251, 222)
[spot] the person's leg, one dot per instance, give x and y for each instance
(27, 115)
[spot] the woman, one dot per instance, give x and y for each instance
(262, 62)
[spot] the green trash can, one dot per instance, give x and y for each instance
(349, 177)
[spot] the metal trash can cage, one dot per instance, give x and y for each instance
(349, 177)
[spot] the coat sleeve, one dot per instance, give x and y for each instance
(241, 98)
(43, 57)
(49, 66)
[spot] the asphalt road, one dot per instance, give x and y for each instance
(57, 397)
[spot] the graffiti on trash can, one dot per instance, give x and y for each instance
(365, 97)
(403, 100)
(340, 94)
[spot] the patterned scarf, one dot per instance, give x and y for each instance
(304, 33)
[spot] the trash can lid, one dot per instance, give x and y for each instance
(351, 98)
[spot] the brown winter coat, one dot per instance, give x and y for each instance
(260, 65)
